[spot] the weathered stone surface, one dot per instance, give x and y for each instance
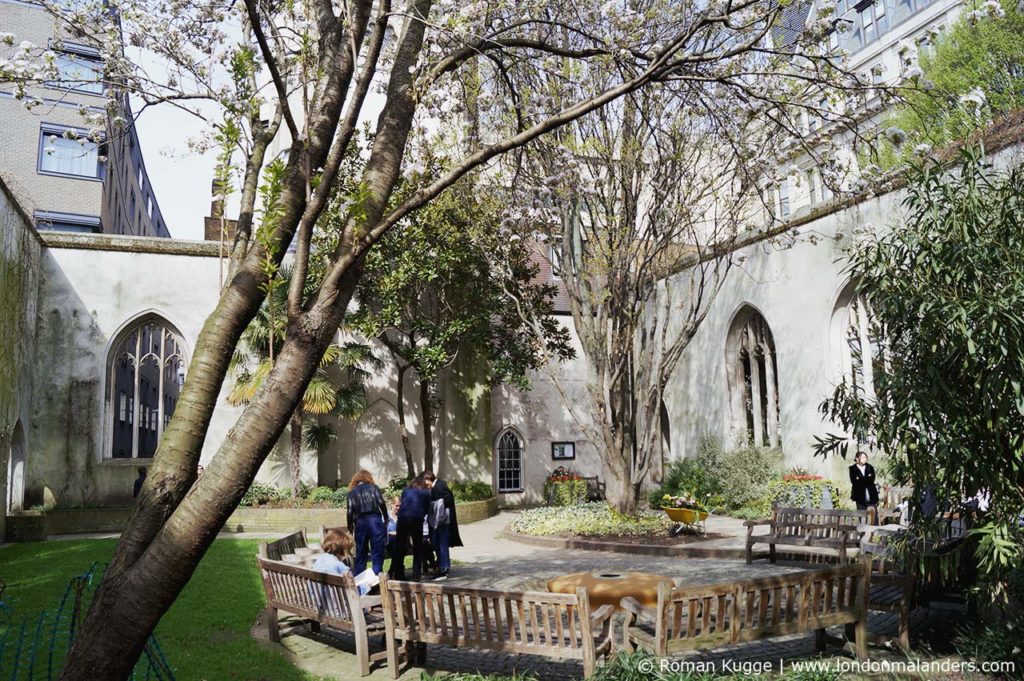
(20, 252)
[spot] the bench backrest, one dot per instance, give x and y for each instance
(275, 549)
(727, 613)
(540, 622)
(331, 599)
(819, 523)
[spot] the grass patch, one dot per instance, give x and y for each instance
(205, 634)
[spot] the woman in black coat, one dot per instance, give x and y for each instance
(444, 527)
(864, 492)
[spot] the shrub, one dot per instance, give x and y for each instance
(592, 519)
(395, 486)
(798, 491)
(471, 490)
(696, 477)
(565, 487)
(260, 494)
(993, 642)
(744, 473)
(335, 498)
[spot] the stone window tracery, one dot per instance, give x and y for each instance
(510, 462)
(753, 377)
(146, 371)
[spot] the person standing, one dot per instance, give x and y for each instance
(367, 512)
(444, 523)
(139, 481)
(863, 492)
(412, 511)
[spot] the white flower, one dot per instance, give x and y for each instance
(922, 150)
(912, 72)
(975, 98)
(26, 46)
(6, 38)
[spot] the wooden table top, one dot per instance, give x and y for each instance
(608, 588)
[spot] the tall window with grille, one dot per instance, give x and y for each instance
(510, 462)
(753, 377)
(864, 355)
(146, 370)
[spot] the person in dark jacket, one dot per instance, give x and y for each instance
(412, 511)
(444, 524)
(862, 481)
(367, 520)
(139, 481)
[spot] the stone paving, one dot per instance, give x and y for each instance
(488, 561)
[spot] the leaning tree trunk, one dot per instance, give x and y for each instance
(410, 465)
(128, 605)
(295, 458)
(427, 414)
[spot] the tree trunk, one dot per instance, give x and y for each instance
(295, 459)
(427, 413)
(128, 604)
(410, 466)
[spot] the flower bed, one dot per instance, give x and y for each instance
(565, 487)
(588, 520)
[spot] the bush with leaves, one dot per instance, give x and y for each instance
(697, 477)
(946, 291)
(800, 491)
(334, 498)
(745, 473)
(472, 490)
(261, 494)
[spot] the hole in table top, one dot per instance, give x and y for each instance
(610, 575)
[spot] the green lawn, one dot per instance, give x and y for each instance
(205, 635)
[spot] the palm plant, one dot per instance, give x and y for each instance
(338, 388)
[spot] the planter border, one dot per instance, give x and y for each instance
(695, 550)
(38, 525)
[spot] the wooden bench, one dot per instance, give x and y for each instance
(537, 623)
(595, 488)
(893, 588)
(715, 615)
(812, 527)
(323, 599)
(276, 550)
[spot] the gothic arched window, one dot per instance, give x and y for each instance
(146, 371)
(510, 462)
(753, 378)
(863, 352)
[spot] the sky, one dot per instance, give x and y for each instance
(180, 177)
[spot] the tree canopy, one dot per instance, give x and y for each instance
(450, 280)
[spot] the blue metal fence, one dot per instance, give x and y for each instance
(34, 648)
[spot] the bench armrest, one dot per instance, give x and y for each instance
(633, 607)
(602, 614)
(601, 620)
(755, 523)
(370, 601)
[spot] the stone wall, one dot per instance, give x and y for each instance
(95, 286)
(20, 250)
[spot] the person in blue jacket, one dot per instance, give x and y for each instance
(367, 520)
(412, 511)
